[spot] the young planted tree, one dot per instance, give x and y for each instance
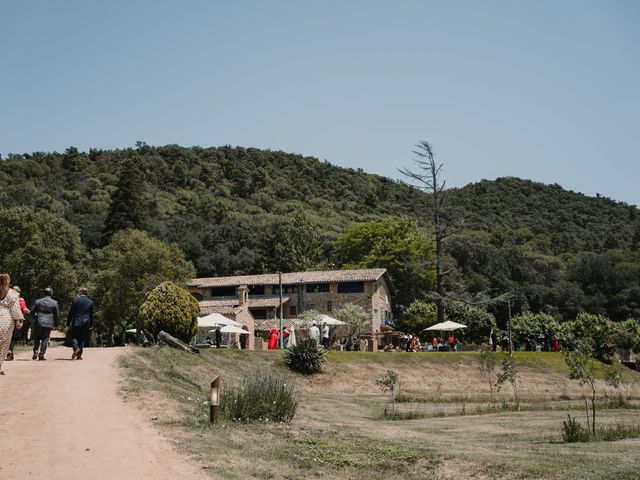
(388, 383)
(428, 178)
(584, 369)
(487, 363)
(509, 374)
(132, 265)
(355, 318)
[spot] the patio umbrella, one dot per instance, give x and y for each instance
(447, 326)
(233, 329)
(329, 320)
(215, 320)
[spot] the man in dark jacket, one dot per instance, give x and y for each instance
(80, 319)
(46, 313)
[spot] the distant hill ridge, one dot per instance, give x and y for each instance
(248, 181)
(553, 249)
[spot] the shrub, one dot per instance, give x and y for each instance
(537, 323)
(305, 358)
(618, 432)
(573, 432)
(171, 308)
(479, 322)
(261, 396)
(589, 334)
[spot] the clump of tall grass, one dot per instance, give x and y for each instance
(261, 396)
(572, 431)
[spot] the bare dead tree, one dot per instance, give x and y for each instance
(427, 177)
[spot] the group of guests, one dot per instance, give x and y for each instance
(315, 336)
(45, 313)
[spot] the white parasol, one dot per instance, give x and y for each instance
(329, 320)
(233, 329)
(215, 320)
(447, 326)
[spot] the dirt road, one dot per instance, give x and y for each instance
(62, 419)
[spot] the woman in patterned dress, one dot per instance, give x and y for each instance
(10, 315)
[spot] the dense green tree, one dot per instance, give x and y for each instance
(40, 250)
(297, 245)
(127, 209)
(528, 323)
(170, 308)
(478, 322)
(132, 265)
(418, 316)
(355, 318)
(400, 246)
(589, 334)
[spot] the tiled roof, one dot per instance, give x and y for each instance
(217, 307)
(255, 302)
(267, 302)
(292, 278)
(269, 324)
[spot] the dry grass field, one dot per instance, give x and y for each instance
(451, 426)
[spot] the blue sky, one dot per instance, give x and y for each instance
(545, 90)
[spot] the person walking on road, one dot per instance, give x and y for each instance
(47, 317)
(80, 320)
(18, 333)
(10, 315)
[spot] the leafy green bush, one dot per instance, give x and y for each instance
(262, 396)
(305, 358)
(171, 308)
(479, 322)
(420, 315)
(590, 334)
(537, 323)
(572, 431)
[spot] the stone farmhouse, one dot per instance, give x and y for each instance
(253, 300)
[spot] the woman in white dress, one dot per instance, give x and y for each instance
(10, 315)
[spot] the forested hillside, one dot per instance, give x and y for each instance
(232, 209)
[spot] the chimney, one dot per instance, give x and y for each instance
(243, 295)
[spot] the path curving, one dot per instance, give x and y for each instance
(62, 419)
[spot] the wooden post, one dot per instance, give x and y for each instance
(215, 400)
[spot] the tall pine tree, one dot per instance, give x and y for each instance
(128, 208)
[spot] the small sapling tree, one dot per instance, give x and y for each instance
(509, 374)
(388, 383)
(487, 363)
(584, 369)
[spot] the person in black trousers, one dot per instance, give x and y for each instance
(46, 313)
(80, 319)
(218, 337)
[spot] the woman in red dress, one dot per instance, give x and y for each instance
(273, 339)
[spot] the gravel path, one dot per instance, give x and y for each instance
(62, 419)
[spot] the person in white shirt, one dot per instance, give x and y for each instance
(325, 335)
(314, 334)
